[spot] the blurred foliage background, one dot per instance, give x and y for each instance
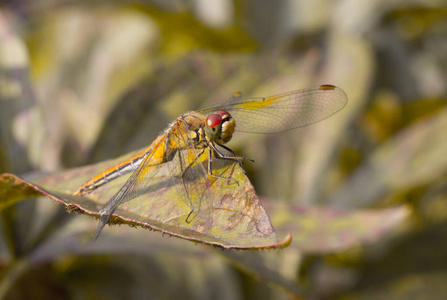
(85, 81)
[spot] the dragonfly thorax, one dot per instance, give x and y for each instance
(219, 127)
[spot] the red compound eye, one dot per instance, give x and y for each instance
(213, 120)
(223, 113)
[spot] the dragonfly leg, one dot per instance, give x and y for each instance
(235, 157)
(210, 169)
(220, 155)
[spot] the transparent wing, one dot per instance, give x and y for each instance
(147, 169)
(284, 111)
(189, 174)
(173, 162)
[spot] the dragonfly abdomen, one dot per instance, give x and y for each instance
(112, 173)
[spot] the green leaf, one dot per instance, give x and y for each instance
(323, 230)
(238, 218)
(414, 157)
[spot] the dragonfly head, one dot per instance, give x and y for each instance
(219, 127)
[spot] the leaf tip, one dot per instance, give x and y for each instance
(286, 241)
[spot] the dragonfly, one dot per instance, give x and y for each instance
(179, 150)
